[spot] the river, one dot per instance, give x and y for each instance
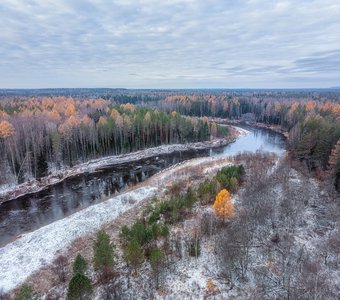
(30, 212)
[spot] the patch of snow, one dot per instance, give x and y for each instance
(241, 131)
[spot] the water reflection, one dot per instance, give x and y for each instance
(256, 139)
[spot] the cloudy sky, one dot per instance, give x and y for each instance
(169, 43)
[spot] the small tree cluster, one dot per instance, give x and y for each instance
(229, 177)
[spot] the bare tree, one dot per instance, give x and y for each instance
(60, 267)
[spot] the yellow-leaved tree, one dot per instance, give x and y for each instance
(223, 206)
(6, 129)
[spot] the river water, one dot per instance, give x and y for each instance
(30, 212)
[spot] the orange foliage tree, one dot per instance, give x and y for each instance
(6, 129)
(70, 110)
(223, 206)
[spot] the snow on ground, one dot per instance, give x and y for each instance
(190, 276)
(36, 249)
(241, 131)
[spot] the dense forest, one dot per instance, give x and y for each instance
(41, 134)
(313, 125)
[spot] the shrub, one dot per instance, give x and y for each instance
(206, 191)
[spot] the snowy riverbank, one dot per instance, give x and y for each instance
(8, 192)
(38, 248)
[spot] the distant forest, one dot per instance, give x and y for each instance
(38, 132)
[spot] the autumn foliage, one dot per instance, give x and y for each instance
(223, 206)
(42, 134)
(6, 129)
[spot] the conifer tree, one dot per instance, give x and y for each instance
(26, 292)
(156, 259)
(79, 288)
(103, 254)
(79, 265)
(133, 253)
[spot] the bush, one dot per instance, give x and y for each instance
(60, 267)
(175, 189)
(190, 198)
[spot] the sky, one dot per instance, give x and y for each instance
(169, 44)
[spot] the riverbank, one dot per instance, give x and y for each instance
(8, 193)
(275, 128)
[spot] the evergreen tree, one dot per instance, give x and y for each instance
(42, 166)
(157, 258)
(79, 265)
(134, 254)
(103, 254)
(79, 288)
(26, 292)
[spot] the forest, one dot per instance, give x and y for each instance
(44, 133)
(313, 125)
(39, 135)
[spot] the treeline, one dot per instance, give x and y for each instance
(313, 125)
(41, 134)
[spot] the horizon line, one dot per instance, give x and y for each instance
(170, 88)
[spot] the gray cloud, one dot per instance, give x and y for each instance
(149, 43)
